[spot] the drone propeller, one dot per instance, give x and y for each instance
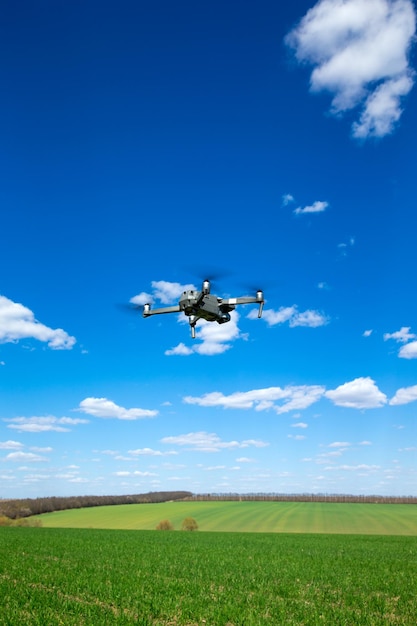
(129, 307)
(212, 274)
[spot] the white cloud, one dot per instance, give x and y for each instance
(353, 468)
(168, 292)
(210, 442)
(139, 473)
(309, 319)
(18, 322)
(27, 457)
(299, 425)
(409, 351)
(401, 336)
(291, 314)
(317, 207)
(142, 298)
(10, 445)
(162, 290)
(43, 424)
(339, 444)
(102, 407)
(293, 397)
(215, 338)
(181, 349)
(271, 317)
(405, 395)
(361, 393)
(287, 199)
(151, 452)
(359, 50)
(367, 333)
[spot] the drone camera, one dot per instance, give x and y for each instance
(146, 310)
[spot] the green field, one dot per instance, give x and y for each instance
(276, 517)
(75, 577)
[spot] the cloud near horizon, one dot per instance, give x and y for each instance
(359, 51)
(48, 423)
(210, 442)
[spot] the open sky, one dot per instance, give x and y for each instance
(148, 145)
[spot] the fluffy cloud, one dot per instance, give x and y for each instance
(210, 442)
(361, 393)
(401, 336)
(287, 199)
(163, 291)
(309, 318)
(151, 452)
(25, 457)
(43, 424)
(405, 395)
(292, 397)
(215, 338)
(10, 445)
(18, 322)
(102, 407)
(180, 350)
(353, 468)
(359, 50)
(291, 314)
(316, 207)
(409, 351)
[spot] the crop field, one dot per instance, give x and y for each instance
(75, 577)
(280, 517)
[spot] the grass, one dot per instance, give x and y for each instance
(277, 517)
(75, 577)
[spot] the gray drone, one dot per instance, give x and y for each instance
(203, 305)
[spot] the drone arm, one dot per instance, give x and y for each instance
(147, 311)
(258, 299)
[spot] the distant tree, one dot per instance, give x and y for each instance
(189, 524)
(165, 524)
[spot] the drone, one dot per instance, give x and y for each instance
(203, 305)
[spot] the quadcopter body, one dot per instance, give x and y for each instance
(202, 304)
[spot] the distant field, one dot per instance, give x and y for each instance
(271, 517)
(74, 577)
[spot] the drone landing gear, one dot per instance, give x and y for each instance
(193, 319)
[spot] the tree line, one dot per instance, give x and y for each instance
(301, 497)
(21, 508)
(18, 509)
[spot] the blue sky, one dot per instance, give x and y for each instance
(145, 146)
